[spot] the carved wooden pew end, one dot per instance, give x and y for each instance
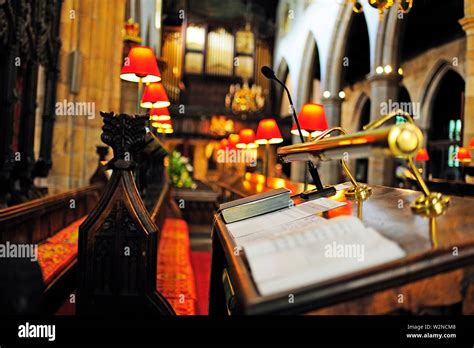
(118, 240)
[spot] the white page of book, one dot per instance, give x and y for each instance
(318, 251)
(252, 225)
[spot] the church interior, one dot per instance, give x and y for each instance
(240, 157)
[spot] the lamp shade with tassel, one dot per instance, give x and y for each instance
(140, 64)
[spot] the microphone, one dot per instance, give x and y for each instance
(268, 73)
(320, 191)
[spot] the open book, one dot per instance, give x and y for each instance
(313, 249)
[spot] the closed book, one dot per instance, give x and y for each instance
(255, 205)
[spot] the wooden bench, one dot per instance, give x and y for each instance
(52, 224)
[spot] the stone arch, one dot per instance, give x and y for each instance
(387, 49)
(362, 99)
(332, 80)
(282, 73)
(430, 88)
(310, 59)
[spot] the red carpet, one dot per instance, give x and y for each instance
(201, 261)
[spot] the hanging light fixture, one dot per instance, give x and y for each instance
(403, 5)
(245, 99)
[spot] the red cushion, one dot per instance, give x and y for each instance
(58, 251)
(175, 276)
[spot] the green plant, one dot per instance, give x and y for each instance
(179, 170)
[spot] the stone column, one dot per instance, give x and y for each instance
(331, 171)
(468, 25)
(383, 88)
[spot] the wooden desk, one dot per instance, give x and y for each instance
(434, 273)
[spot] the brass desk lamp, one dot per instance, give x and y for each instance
(402, 141)
(429, 203)
(357, 191)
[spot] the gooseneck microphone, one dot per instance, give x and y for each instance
(320, 190)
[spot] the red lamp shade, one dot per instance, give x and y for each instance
(233, 141)
(140, 63)
(155, 96)
(159, 114)
(463, 155)
(246, 139)
(471, 144)
(268, 132)
(224, 144)
(162, 124)
(312, 120)
(422, 155)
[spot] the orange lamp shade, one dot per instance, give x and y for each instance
(422, 155)
(246, 139)
(463, 155)
(162, 124)
(312, 120)
(140, 64)
(159, 114)
(268, 132)
(224, 144)
(155, 96)
(471, 143)
(233, 141)
(165, 130)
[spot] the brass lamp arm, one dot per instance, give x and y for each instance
(358, 190)
(429, 203)
(380, 121)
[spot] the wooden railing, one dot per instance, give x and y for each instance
(36, 220)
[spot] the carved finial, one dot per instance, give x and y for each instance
(124, 133)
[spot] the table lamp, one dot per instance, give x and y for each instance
(422, 155)
(464, 157)
(246, 139)
(233, 141)
(159, 114)
(312, 119)
(140, 66)
(268, 133)
(155, 96)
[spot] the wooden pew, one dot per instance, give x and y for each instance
(118, 268)
(38, 222)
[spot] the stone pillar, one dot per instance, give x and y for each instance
(383, 88)
(468, 25)
(331, 171)
(93, 28)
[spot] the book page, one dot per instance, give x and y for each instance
(252, 225)
(318, 250)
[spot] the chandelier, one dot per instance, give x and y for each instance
(245, 99)
(403, 5)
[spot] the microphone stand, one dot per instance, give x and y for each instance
(320, 190)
